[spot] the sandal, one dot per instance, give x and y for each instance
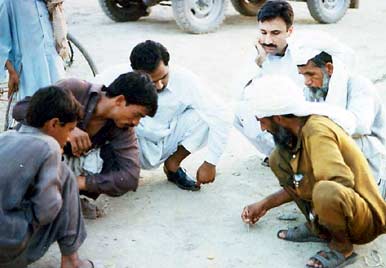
(301, 233)
(333, 259)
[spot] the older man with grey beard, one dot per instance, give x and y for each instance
(327, 80)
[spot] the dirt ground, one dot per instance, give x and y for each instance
(162, 226)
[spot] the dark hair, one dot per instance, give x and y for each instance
(146, 56)
(276, 9)
(289, 115)
(137, 88)
(321, 59)
(53, 102)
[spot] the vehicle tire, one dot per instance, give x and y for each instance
(328, 11)
(247, 8)
(123, 10)
(199, 16)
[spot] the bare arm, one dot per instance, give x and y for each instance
(252, 213)
(13, 81)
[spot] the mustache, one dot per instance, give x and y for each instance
(161, 90)
(314, 89)
(269, 45)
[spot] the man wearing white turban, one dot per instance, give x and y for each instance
(319, 167)
(274, 47)
(327, 80)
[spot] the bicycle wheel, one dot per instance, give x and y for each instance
(80, 63)
(6, 105)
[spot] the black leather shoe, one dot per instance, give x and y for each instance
(182, 179)
(265, 162)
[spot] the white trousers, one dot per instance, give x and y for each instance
(375, 154)
(189, 130)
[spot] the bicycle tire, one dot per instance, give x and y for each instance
(8, 116)
(84, 52)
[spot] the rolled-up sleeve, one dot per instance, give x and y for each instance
(46, 198)
(121, 168)
(213, 111)
(363, 104)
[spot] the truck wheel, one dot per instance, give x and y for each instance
(247, 8)
(123, 10)
(199, 16)
(328, 11)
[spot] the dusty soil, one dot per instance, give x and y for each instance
(162, 226)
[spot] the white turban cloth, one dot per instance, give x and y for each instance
(279, 95)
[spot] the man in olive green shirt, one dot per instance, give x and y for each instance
(320, 167)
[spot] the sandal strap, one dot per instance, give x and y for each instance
(332, 259)
(300, 233)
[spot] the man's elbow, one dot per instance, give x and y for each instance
(126, 183)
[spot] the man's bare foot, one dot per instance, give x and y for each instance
(73, 261)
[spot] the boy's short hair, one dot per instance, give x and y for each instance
(53, 102)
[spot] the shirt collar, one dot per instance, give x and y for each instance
(171, 82)
(286, 53)
(28, 129)
(94, 95)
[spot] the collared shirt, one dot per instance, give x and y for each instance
(282, 65)
(325, 152)
(30, 188)
(118, 146)
(27, 41)
(184, 91)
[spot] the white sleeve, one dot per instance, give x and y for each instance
(212, 109)
(362, 102)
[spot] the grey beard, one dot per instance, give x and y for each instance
(319, 93)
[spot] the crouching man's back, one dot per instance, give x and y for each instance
(39, 199)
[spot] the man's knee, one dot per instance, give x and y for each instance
(274, 159)
(196, 131)
(332, 203)
(280, 167)
(326, 194)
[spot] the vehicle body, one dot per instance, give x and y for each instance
(203, 16)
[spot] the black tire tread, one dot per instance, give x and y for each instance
(318, 14)
(240, 7)
(186, 25)
(121, 16)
